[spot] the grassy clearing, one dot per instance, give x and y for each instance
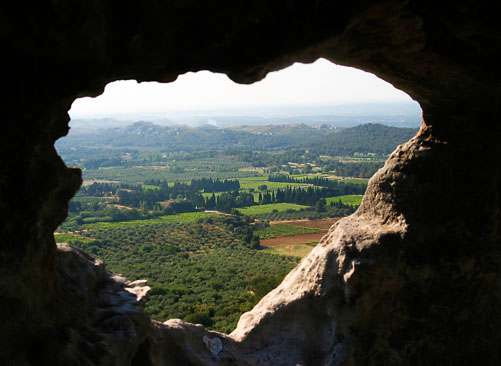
(263, 209)
(296, 250)
(353, 199)
(280, 230)
(179, 218)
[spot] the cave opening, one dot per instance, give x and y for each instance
(411, 278)
(206, 246)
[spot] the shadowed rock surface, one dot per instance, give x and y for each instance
(412, 278)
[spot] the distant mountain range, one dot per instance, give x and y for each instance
(207, 137)
(401, 114)
(324, 139)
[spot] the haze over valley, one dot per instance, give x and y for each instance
(397, 114)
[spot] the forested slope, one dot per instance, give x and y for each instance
(368, 138)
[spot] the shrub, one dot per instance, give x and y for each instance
(199, 318)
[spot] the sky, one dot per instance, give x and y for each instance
(321, 83)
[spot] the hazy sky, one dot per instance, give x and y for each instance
(321, 83)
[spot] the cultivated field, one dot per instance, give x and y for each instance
(178, 218)
(352, 199)
(291, 240)
(263, 209)
(280, 230)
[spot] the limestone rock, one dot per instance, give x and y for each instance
(214, 345)
(115, 323)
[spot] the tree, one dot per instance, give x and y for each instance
(320, 205)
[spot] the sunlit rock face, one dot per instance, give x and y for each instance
(412, 278)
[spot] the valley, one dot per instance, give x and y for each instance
(215, 219)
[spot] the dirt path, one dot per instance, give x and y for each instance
(291, 240)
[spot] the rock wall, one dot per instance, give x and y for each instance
(412, 278)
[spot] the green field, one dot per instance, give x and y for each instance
(178, 218)
(263, 209)
(280, 230)
(353, 199)
(140, 174)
